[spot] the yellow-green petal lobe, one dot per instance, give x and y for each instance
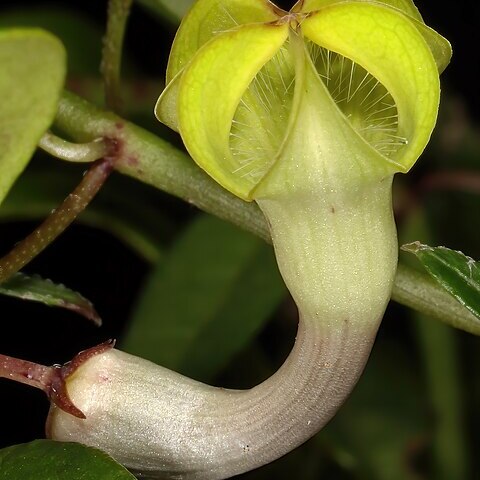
(389, 46)
(208, 18)
(440, 47)
(406, 6)
(210, 90)
(166, 106)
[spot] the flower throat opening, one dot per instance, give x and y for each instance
(262, 116)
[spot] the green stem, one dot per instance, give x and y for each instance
(118, 11)
(152, 160)
(73, 152)
(57, 222)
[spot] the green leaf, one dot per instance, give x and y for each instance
(421, 292)
(48, 460)
(32, 72)
(44, 291)
(454, 271)
(206, 302)
(439, 359)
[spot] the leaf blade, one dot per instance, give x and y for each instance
(48, 460)
(454, 271)
(37, 289)
(186, 309)
(30, 90)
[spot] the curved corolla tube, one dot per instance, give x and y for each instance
(310, 114)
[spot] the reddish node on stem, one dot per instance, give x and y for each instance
(51, 380)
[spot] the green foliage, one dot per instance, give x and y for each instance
(206, 300)
(41, 290)
(423, 293)
(454, 271)
(47, 460)
(30, 90)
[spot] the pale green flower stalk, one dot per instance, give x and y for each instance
(310, 113)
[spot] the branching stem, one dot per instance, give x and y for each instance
(58, 221)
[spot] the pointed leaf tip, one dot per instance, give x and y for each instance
(454, 271)
(37, 289)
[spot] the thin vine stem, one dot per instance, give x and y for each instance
(73, 152)
(48, 379)
(51, 380)
(76, 202)
(28, 373)
(150, 159)
(57, 221)
(118, 12)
